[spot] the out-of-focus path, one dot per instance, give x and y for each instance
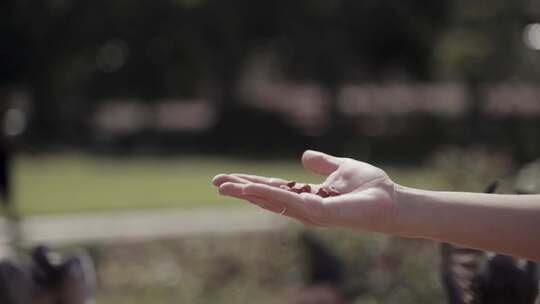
(143, 225)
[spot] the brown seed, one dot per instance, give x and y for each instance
(327, 191)
(296, 187)
(323, 193)
(332, 191)
(306, 188)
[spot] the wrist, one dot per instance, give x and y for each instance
(413, 212)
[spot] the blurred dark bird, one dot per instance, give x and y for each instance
(324, 274)
(323, 266)
(46, 278)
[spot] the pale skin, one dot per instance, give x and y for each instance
(371, 201)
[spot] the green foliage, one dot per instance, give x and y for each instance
(484, 40)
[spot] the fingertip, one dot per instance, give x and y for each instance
(231, 189)
(312, 155)
(223, 188)
(319, 162)
(249, 188)
(218, 179)
(309, 153)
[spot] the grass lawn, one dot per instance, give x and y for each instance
(81, 183)
(64, 183)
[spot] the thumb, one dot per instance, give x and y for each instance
(320, 163)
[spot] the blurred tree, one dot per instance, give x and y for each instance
(332, 42)
(12, 52)
(81, 53)
(483, 45)
(483, 40)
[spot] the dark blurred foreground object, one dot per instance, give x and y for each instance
(47, 278)
(476, 277)
(5, 162)
(324, 274)
(4, 175)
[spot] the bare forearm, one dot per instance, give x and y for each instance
(503, 223)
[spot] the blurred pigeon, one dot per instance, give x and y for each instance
(48, 278)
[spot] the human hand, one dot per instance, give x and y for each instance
(366, 201)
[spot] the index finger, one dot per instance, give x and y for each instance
(220, 179)
(270, 181)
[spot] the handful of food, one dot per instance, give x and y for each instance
(324, 191)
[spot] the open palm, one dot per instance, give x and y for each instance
(366, 199)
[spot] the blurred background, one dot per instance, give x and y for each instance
(117, 114)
